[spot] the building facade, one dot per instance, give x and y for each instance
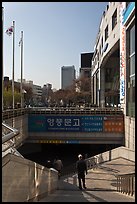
(113, 64)
(68, 75)
(85, 69)
(46, 91)
(129, 97)
(105, 61)
(36, 90)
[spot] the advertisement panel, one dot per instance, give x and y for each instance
(91, 123)
(113, 124)
(122, 52)
(36, 123)
(43, 123)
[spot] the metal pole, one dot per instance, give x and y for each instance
(13, 64)
(22, 102)
(2, 54)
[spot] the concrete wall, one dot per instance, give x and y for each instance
(81, 137)
(21, 124)
(120, 152)
(130, 132)
(24, 180)
(114, 154)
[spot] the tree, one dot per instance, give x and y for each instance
(28, 96)
(8, 98)
(71, 96)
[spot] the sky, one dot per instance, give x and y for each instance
(55, 34)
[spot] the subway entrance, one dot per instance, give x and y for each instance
(41, 153)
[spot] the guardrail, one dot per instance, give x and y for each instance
(8, 145)
(61, 110)
(10, 113)
(91, 164)
(8, 135)
(76, 110)
(126, 183)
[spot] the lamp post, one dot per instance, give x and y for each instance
(13, 64)
(21, 44)
(2, 55)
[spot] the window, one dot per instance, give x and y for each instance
(114, 19)
(127, 3)
(98, 57)
(131, 72)
(100, 50)
(132, 40)
(106, 33)
(102, 46)
(102, 42)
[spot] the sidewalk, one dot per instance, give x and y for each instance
(101, 185)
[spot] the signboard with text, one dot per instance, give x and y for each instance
(43, 123)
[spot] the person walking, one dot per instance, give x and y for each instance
(58, 165)
(81, 170)
(49, 164)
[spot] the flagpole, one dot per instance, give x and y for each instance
(21, 69)
(2, 54)
(13, 64)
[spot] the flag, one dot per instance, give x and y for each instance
(20, 41)
(9, 31)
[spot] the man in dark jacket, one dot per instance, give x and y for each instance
(58, 165)
(81, 170)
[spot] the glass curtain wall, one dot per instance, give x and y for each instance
(131, 71)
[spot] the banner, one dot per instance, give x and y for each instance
(122, 53)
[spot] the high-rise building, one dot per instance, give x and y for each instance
(67, 76)
(85, 69)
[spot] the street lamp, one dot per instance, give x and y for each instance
(21, 44)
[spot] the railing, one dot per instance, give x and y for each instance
(77, 110)
(126, 183)
(8, 132)
(91, 164)
(61, 110)
(8, 145)
(6, 114)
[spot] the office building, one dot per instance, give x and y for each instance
(113, 64)
(85, 69)
(67, 76)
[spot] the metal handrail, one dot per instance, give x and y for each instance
(76, 110)
(91, 162)
(126, 183)
(10, 135)
(7, 144)
(62, 110)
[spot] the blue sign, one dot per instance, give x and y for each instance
(43, 123)
(36, 123)
(128, 11)
(92, 123)
(63, 123)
